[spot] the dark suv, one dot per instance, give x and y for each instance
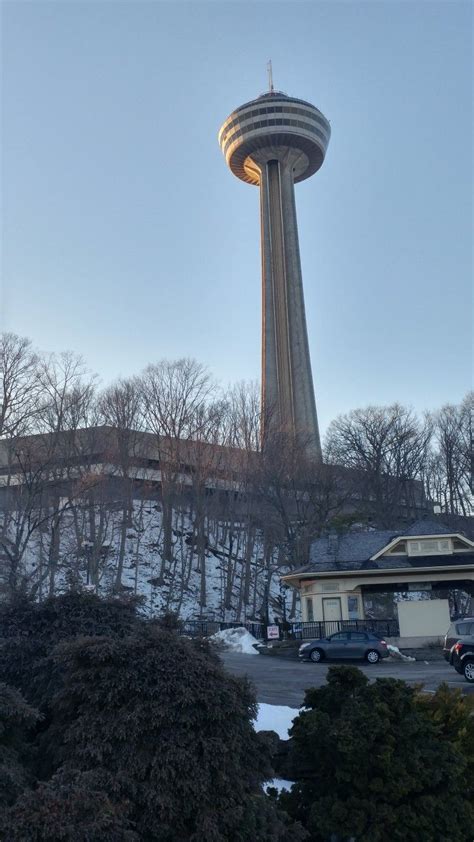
(462, 658)
(459, 629)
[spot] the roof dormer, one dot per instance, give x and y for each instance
(426, 545)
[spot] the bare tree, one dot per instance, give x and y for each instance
(242, 426)
(174, 395)
(449, 477)
(386, 451)
(298, 499)
(66, 400)
(19, 385)
(121, 407)
(242, 439)
(206, 462)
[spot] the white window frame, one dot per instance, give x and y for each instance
(430, 546)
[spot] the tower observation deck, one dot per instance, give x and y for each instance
(275, 141)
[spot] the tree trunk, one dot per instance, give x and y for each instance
(167, 556)
(53, 555)
(201, 548)
(126, 514)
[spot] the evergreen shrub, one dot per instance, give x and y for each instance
(145, 737)
(377, 761)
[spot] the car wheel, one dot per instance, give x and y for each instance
(372, 656)
(469, 671)
(316, 656)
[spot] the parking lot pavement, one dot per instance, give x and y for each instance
(280, 681)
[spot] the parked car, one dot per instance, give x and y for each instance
(458, 630)
(462, 658)
(345, 644)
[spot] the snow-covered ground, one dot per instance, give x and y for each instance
(279, 784)
(278, 718)
(397, 655)
(237, 640)
(175, 585)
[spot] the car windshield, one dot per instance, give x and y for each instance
(464, 628)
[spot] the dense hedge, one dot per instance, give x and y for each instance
(143, 735)
(126, 732)
(381, 761)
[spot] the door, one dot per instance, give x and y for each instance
(332, 613)
(358, 645)
(338, 645)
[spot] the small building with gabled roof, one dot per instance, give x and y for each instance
(345, 572)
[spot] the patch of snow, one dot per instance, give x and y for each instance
(277, 718)
(395, 653)
(238, 640)
(279, 784)
(179, 589)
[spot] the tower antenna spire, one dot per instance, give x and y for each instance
(270, 76)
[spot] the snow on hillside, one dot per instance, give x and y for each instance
(89, 554)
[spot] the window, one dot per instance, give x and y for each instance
(353, 607)
(430, 546)
(399, 549)
(464, 628)
(358, 636)
(459, 545)
(309, 609)
(340, 636)
(263, 123)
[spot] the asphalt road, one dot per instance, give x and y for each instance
(281, 681)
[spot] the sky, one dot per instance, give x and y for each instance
(126, 239)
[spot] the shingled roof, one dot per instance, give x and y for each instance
(354, 550)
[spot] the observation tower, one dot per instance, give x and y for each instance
(275, 141)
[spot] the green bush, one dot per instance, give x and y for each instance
(145, 736)
(371, 763)
(172, 730)
(29, 631)
(17, 719)
(68, 808)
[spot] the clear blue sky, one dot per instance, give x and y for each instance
(126, 239)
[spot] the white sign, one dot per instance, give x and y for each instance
(273, 633)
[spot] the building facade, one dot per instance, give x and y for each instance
(347, 575)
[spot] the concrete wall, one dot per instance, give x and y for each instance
(424, 618)
(433, 641)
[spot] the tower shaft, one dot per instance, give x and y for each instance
(287, 386)
(274, 142)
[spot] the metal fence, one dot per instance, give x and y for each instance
(205, 628)
(384, 628)
(293, 631)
